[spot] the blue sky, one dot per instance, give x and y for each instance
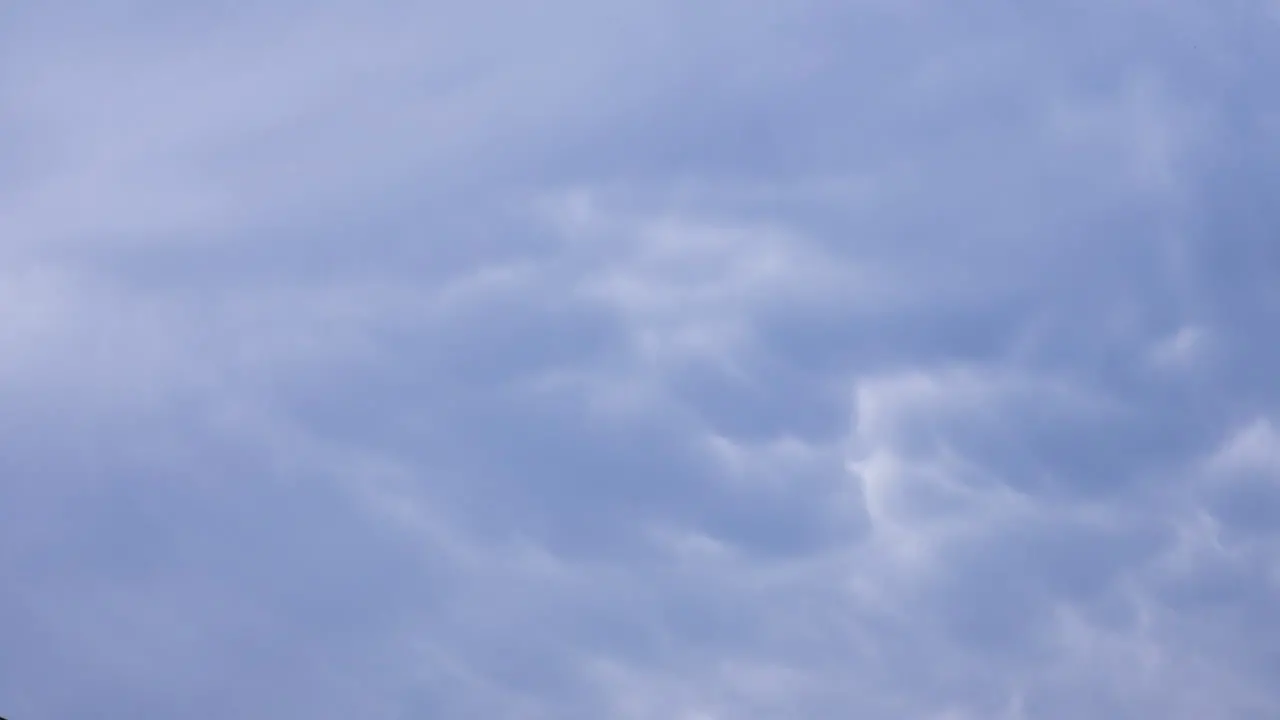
(887, 359)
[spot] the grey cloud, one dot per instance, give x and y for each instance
(654, 360)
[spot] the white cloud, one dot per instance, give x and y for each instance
(692, 288)
(1183, 349)
(1253, 448)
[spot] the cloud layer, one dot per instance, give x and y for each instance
(654, 361)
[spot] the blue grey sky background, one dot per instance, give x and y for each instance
(704, 360)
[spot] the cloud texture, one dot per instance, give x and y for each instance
(640, 361)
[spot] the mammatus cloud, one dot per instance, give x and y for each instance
(650, 361)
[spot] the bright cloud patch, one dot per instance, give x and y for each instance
(643, 362)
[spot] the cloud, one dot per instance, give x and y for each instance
(1254, 447)
(645, 361)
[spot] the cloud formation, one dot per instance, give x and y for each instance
(650, 361)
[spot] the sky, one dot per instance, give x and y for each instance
(661, 360)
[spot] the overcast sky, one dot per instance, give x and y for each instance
(640, 360)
